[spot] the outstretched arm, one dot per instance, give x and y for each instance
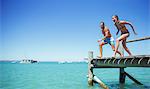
(117, 32)
(125, 22)
(132, 28)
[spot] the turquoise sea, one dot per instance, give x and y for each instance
(52, 75)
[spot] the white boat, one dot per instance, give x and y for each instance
(14, 62)
(28, 61)
(61, 62)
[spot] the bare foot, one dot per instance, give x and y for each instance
(130, 55)
(99, 57)
(121, 55)
(114, 55)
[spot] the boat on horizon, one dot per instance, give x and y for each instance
(28, 61)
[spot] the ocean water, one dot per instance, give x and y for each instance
(50, 75)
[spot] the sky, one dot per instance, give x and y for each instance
(57, 30)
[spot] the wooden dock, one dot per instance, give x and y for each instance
(119, 62)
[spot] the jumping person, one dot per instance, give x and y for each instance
(124, 33)
(107, 39)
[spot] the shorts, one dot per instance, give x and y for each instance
(126, 33)
(110, 41)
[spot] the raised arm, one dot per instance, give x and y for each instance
(125, 22)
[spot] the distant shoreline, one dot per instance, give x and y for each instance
(46, 61)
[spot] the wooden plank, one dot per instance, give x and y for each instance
(128, 61)
(101, 83)
(133, 79)
(140, 39)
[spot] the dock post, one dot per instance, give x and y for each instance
(90, 69)
(122, 76)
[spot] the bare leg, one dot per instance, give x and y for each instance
(101, 49)
(123, 36)
(117, 46)
(113, 48)
(125, 47)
